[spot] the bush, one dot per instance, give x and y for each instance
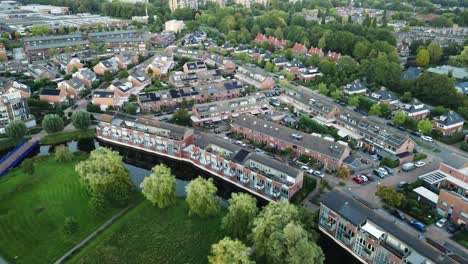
(304, 158)
(420, 157)
(389, 162)
(464, 146)
(63, 154)
(27, 166)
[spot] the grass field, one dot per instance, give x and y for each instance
(33, 209)
(150, 235)
(62, 137)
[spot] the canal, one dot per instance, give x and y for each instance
(139, 165)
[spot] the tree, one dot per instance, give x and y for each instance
(107, 76)
(425, 126)
(160, 187)
(343, 173)
(399, 118)
(354, 100)
(52, 123)
(149, 71)
(241, 211)
(336, 94)
(435, 52)
(228, 251)
(322, 87)
(6, 35)
(70, 226)
(389, 195)
(81, 119)
(375, 110)
(201, 197)
(181, 117)
(130, 108)
(52, 52)
(278, 236)
(106, 177)
(74, 69)
(362, 50)
(422, 59)
(123, 74)
(68, 49)
(16, 130)
(63, 154)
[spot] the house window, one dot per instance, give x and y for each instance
(443, 203)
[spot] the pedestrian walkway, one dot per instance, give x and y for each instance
(16, 155)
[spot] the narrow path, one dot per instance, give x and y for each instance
(92, 235)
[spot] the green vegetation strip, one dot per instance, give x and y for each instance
(462, 238)
(63, 137)
(147, 234)
(34, 208)
(426, 146)
(7, 143)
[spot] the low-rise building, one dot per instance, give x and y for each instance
(105, 99)
(106, 65)
(312, 51)
(39, 47)
(383, 97)
(180, 79)
(448, 123)
(174, 25)
(14, 107)
(198, 94)
(273, 135)
(67, 62)
(194, 67)
(416, 110)
(254, 76)
(164, 38)
(212, 112)
(456, 72)
(160, 65)
(8, 86)
(355, 87)
(370, 237)
(452, 186)
(53, 96)
(71, 87)
(299, 48)
(272, 41)
(86, 75)
(411, 73)
(216, 60)
(308, 73)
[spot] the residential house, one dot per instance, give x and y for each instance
(455, 72)
(254, 76)
(300, 49)
(330, 154)
(383, 97)
(334, 56)
(411, 73)
(180, 79)
(125, 59)
(212, 112)
(67, 63)
(452, 186)
(280, 62)
(272, 41)
(216, 60)
(39, 47)
(86, 75)
(294, 66)
(8, 86)
(14, 107)
(71, 87)
(462, 87)
(3, 53)
(371, 237)
(197, 55)
(121, 39)
(196, 94)
(194, 67)
(164, 38)
(416, 110)
(140, 79)
(308, 74)
(448, 123)
(241, 49)
(106, 65)
(160, 65)
(105, 99)
(355, 87)
(311, 104)
(53, 96)
(314, 50)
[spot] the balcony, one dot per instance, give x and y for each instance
(259, 186)
(328, 223)
(244, 179)
(346, 238)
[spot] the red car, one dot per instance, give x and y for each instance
(358, 180)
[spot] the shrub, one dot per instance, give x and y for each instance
(27, 166)
(389, 162)
(420, 157)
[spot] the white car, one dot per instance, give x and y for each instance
(305, 168)
(319, 174)
(419, 164)
(427, 138)
(364, 178)
(441, 222)
(241, 143)
(384, 171)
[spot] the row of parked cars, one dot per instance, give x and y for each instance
(383, 171)
(313, 172)
(451, 228)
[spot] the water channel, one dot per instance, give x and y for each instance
(140, 163)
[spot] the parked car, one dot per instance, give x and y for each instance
(399, 214)
(417, 134)
(441, 222)
(241, 143)
(307, 169)
(388, 169)
(418, 225)
(419, 164)
(383, 171)
(363, 177)
(378, 173)
(369, 177)
(375, 157)
(427, 138)
(358, 180)
(75, 106)
(408, 166)
(319, 174)
(391, 124)
(401, 128)
(453, 228)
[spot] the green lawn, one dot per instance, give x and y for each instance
(62, 137)
(150, 235)
(33, 209)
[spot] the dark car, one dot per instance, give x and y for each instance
(418, 225)
(398, 214)
(75, 106)
(453, 228)
(401, 128)
(391, 124)
(417, 134)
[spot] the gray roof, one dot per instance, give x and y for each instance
(57, 45)
(357, 213)
(204, 140)
(382, 95)
(75, 82)
(108, 33)
(450, 118)
(53, 37)
(313, 143)
(272, 163)
(355, 86)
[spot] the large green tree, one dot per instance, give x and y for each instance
(278, 236)
(389, 195)
(425, 126)
(241, 211)
(160, 187)
(399, 118)
(201, 197)
(228, 251)
(181, 117)
(81, 119)
(375, 110)
(435, 52)
(423, 58)
(106, 177)
(16, 130)
(52, 123)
